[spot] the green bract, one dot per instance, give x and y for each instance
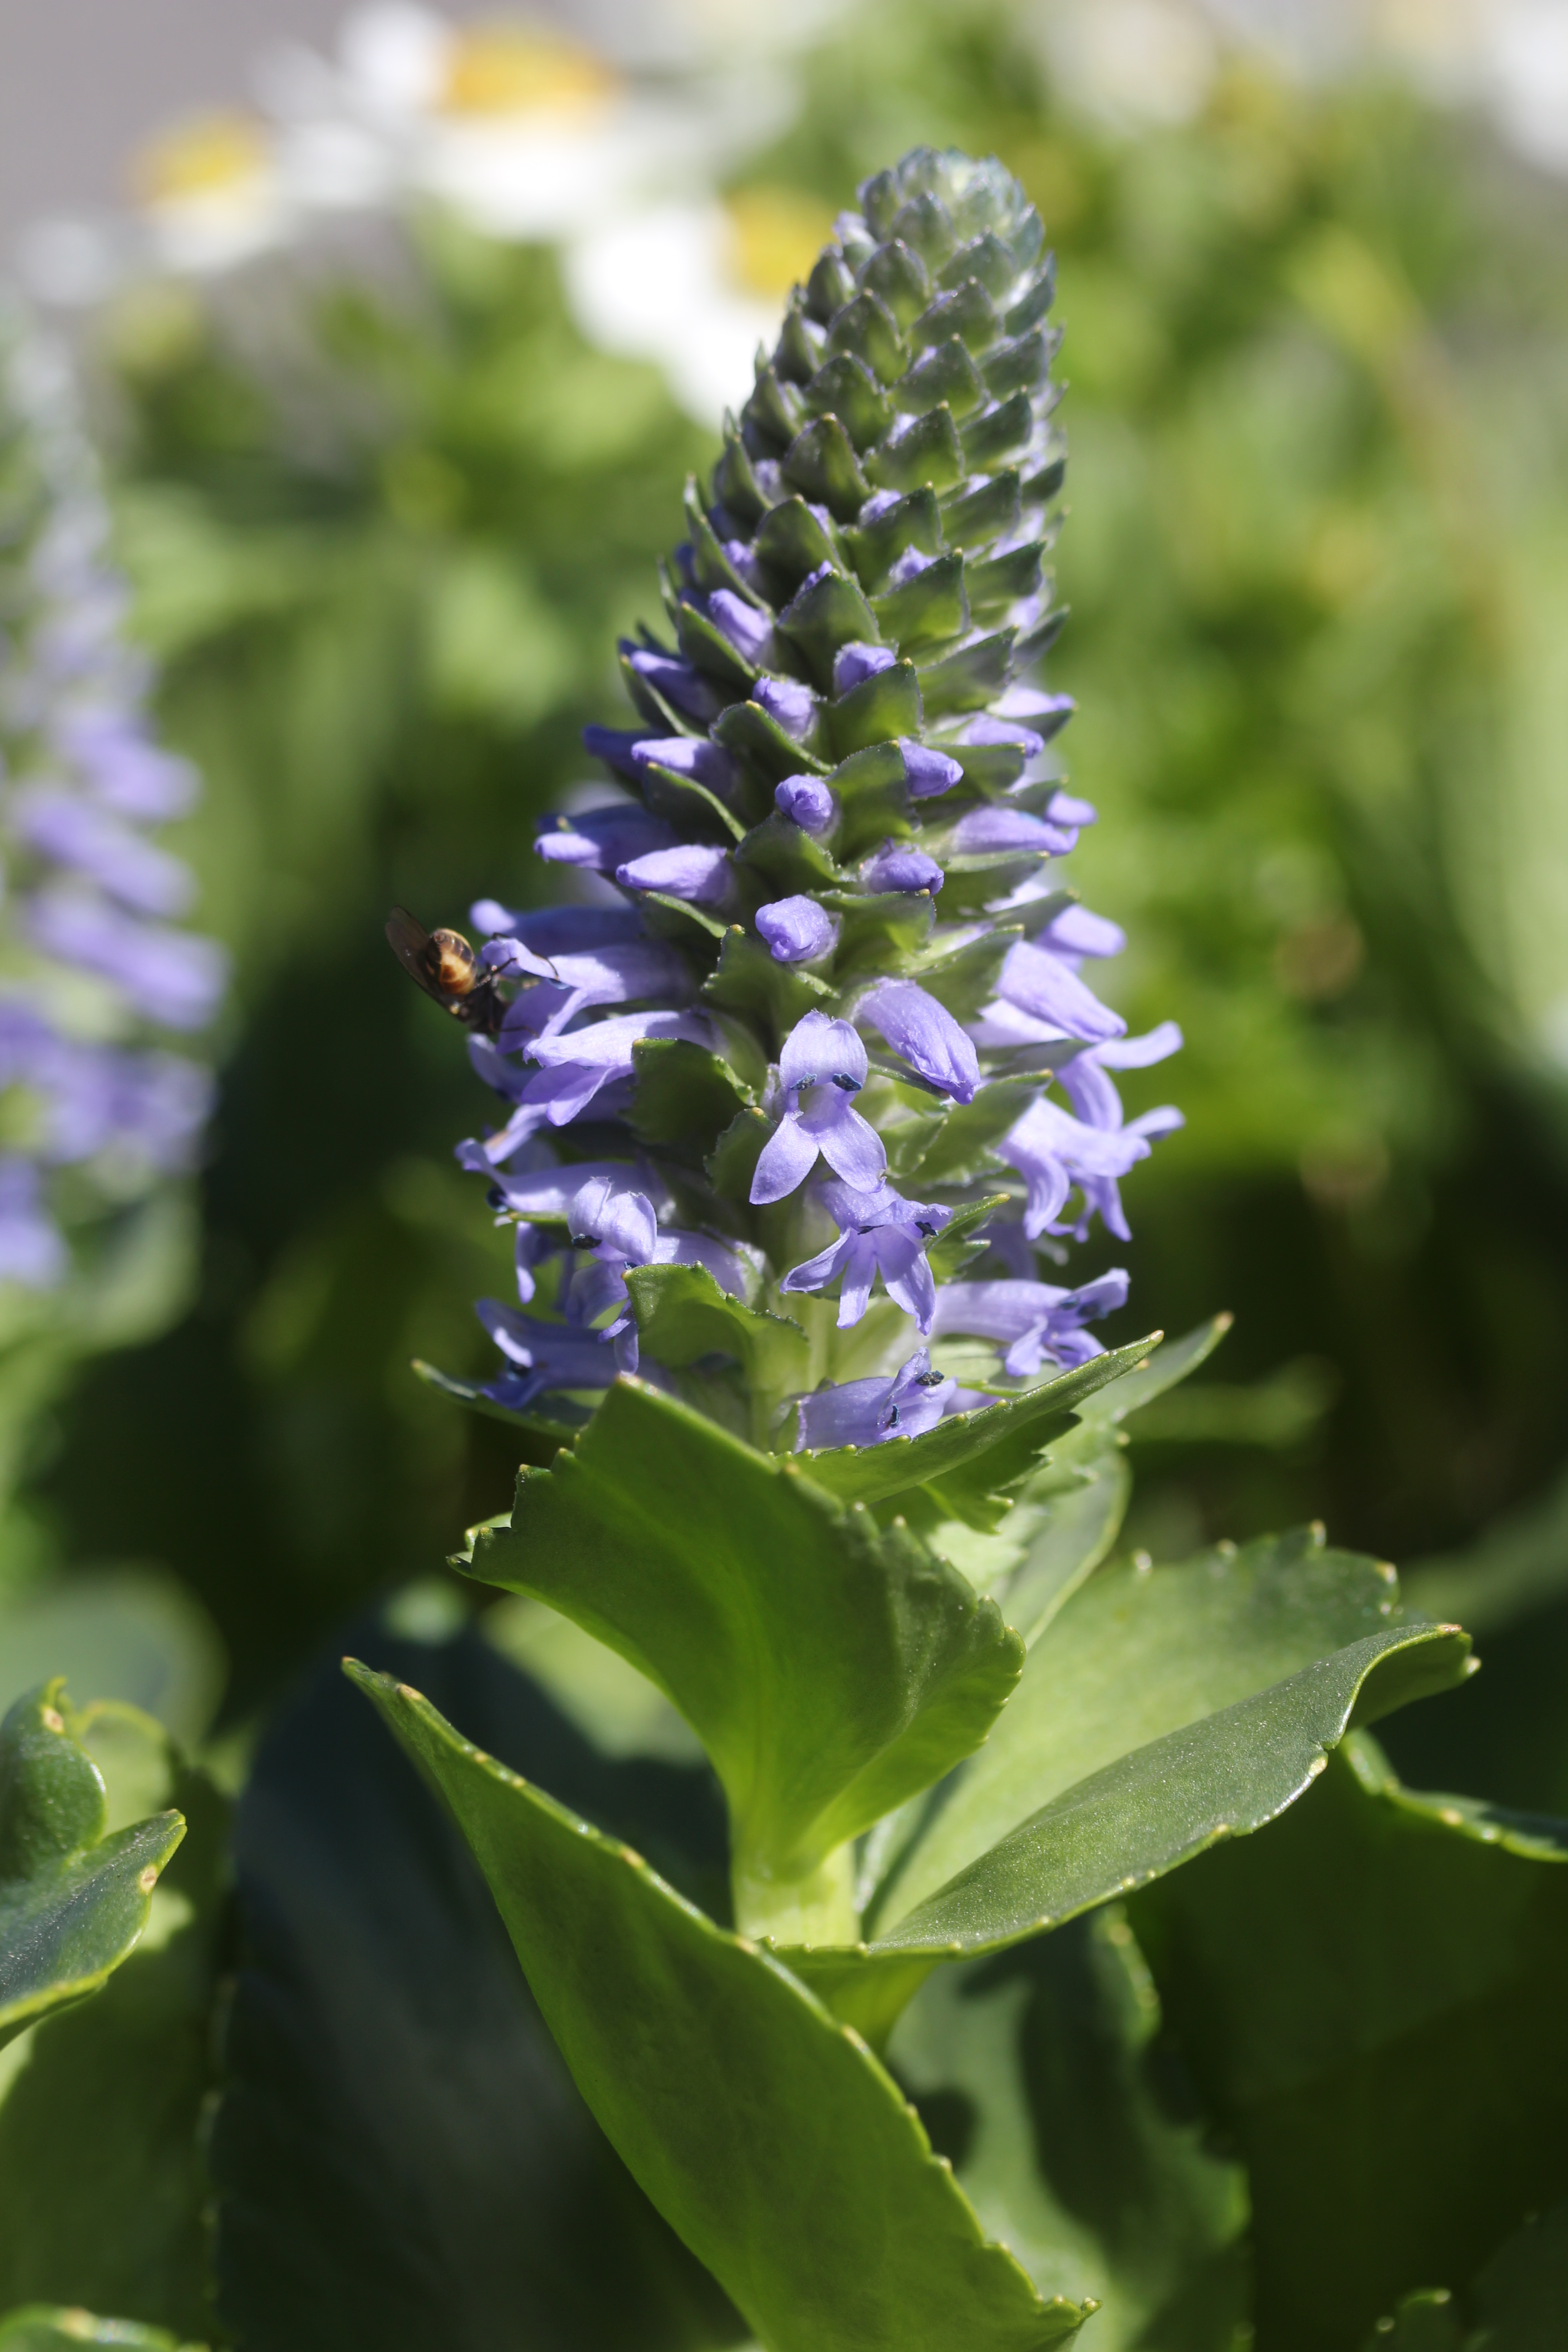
(73, 1901)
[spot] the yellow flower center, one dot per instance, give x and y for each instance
(501, 68)
(776, 235)
(212, 154)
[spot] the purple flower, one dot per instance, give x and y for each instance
(641, 969)
(676, 680)
(616, 1229)
(897, 867)
(796, 929)
(553, 931)
(31, 1249)
(1033, 1320)
(1095, 1098)
(925, 1034)
(577, 1068)
(604, 839)
(822, 1067)
(1053, 1152)
(867, 1413)
(544, 1356)
(854, 663)
(928, 772)
(789, 702)
(982, 831)
(748, 630)
(698, 874)
(806, 801)
(879, 1233)
(1047, 990)
(1076, 933)
(129, 774)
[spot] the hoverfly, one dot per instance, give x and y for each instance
(446, 969)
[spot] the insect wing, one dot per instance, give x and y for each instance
(410, 942)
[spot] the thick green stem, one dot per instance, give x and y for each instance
(819, 1908)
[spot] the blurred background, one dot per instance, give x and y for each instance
(397, 332)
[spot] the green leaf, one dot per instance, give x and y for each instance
(925, 454)
(1082, 1523)
(686, 1096)
(821, 461)
(749, 979)
(886, 704)
(682, 1315)
(772, 2140)
(1037, 2072)
(1153, 1808)
(1140, 1654)
(400, 2157)
(1370, 2002)
(73, 1901)
(831, 611)
(103, 2192)
(830, 1668)
(1005, 1438)
(43, 2327)
(967, 679)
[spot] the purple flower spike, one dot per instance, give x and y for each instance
(1033, 1320)
(879, 1233)
(796, 929)
(806, 801)
(168, 975)
(896, 867)
(701, 876)
(925, 1034)
(789, 703)
(72, 832)
(603, 838)
(928, 772)
(852, 664)
(576, 1069)
(1042, 986)
(867, 1412)
(821, 1068)
(552, 931)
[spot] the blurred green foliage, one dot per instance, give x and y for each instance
(382, 540)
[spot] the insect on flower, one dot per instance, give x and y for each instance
(446, 969)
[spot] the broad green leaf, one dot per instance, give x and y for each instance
(401, 2158)
(1164, 1367)
(1221, 1776)
(42, 2328)
(1370, 2000)
(1135, 1819)
(773, 2141)
(1082, 1523)
(1521, 2296)
(1036, 2073)
(1136, 1655)
(1427, 2321)
(73, 1901)
(831, 1668)
(103, 2192)
(682, 1315)
(1004, 1438)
